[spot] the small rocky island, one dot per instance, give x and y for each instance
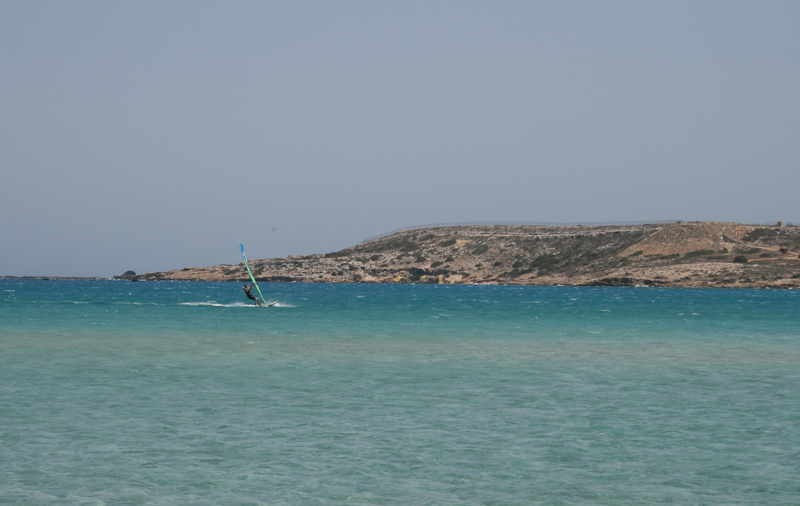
(693, 254)
(129, 275)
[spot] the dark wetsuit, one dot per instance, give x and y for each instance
(249, 295)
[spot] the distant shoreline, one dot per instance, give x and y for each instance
(48, 278)
(666, 254)
(78, 278)
(669, 254)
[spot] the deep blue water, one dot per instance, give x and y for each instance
(179, 393)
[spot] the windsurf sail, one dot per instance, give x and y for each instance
(241, 248)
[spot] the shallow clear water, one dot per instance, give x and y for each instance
(179, 393)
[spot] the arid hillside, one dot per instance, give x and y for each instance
(678, 254)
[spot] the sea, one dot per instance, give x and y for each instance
(164, 393)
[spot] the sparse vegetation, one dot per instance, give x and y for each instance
(545, 263)
(699, 253)
(740, 259)
(664, 257)
(408, 246)
(761, 234)
(339, 254)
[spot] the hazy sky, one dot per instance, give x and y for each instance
(158, 135)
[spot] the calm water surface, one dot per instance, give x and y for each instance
(180, 393)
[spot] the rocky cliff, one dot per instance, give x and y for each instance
(680, 254)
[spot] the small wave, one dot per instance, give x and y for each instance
(216, 304)
(233, 304)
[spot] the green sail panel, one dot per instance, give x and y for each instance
(241, 248)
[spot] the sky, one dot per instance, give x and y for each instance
(150, 136)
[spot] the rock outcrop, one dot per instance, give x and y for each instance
(126, 275)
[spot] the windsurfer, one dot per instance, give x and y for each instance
(250, 295)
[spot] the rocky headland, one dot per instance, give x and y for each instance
(694, 254)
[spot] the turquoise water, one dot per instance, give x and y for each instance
(179, 393)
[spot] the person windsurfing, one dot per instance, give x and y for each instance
(250, 295)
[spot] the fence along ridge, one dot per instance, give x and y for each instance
(524, 224)
(555, 224)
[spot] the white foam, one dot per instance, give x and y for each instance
(216, 304)
(233, 304)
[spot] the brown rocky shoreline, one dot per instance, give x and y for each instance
(695, 254)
